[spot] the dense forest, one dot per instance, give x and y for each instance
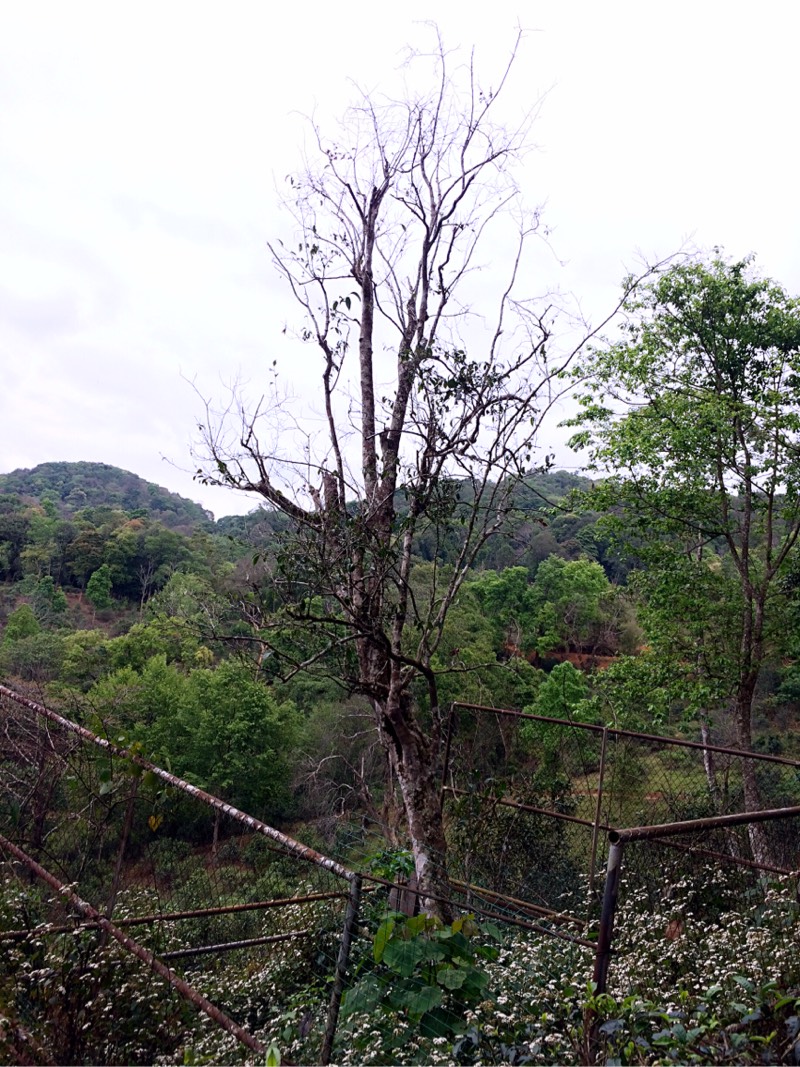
(111, 609)
(184, 644)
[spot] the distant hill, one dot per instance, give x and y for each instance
(72, 486)
(527, 537)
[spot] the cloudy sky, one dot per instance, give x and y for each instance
(144, 147)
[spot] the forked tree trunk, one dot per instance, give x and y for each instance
(718, 796)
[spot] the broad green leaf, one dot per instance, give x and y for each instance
(362, 998)
(451, 977)
(425, 998)
(381, 939)
(403, 956)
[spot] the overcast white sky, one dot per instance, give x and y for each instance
(142, 147)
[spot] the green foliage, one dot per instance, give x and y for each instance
(22, 622)
(562, 695)
(220, 728)
(172, 638)
(86, 658)
(391, 863)
(562, 608)
(568, 598)
(49, 602)
(74, 486)
(98, 588)
(426, 973)
(506, 599)
(694, 417)
(36, 658)
(639, 692)
(82, 1001)
(240, 741)
(763, 1025)
(510, 850)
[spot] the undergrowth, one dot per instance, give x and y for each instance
(703, 972)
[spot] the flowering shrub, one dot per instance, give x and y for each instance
(704, 971)
(720, 985)
(80, 1000)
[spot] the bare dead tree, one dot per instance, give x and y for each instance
(391, 218)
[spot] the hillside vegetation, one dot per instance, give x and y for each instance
(75, 486)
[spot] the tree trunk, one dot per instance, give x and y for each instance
(709, 768)
(415, 759)
(718, 796)
(759, 839)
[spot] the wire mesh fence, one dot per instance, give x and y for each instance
(530, 800)
(679, 925)
(219, 900)
(131, 901)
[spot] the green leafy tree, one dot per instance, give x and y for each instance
(568, 597)
(506, 599)
(14, 524)
(41, 550)
(173, 638)
(241, 743)
(86, 658)
(218, 727)
(695, 416)
(35, 658)
(22, 622)
(562, 694)
(84, 554)
(49, 601)
(98, 588)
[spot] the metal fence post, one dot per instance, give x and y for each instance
(350, 918)
(606, 932)
(598, 810)
(603, 951)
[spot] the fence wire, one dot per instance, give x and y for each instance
(530, 800)
(276, 936)
(229, 905)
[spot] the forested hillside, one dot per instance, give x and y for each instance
(73, 487)
(111, 608)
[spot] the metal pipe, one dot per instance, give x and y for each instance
(606, 930)
(560, 935)
(255, 825)
(174, 916)
(554, 916)
(669, 829)
(530, 715)
(229, 946)
(350, 919)
(597, 811)
(762, 756)
(725, 857)
(525, 807)
(145, 955)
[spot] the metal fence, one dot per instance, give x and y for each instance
(534, 805)
(530, 801)
(133, 899)
(104, 841)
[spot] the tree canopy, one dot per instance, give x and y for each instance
(694, 416)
